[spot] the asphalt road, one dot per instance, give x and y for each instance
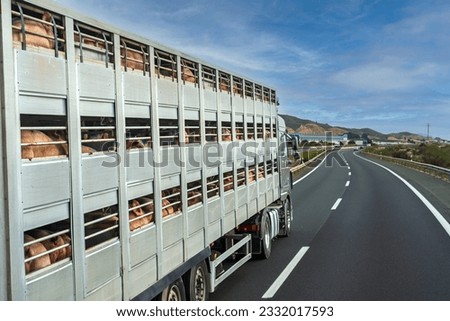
(359, 233)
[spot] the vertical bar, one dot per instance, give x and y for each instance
(4, 253)
(157, 159)
(55, 35)
(106, 49)
(81, 42)
(22, 28)
(12, 166)
(124, 234)
(74, 137)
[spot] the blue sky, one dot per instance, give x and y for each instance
(383, 64)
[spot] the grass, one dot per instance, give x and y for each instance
(434, 154)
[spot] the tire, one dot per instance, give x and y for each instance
(174, 292)
(197, 283)
(266, 239)
(287, 219)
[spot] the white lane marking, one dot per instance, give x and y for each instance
(348, 167)
(347, 184)
(285, 274)
(302, 178)
(335, 206)
(433, 210)
(349, 173)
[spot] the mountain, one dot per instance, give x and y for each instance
(304, 126)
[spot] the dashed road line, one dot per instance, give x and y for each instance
(347, 184)
(285, 274)
(336, 204)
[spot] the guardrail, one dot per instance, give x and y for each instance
(440, 172)
(303, 165)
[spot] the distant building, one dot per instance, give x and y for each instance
(326, 137)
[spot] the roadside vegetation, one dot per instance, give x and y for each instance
(433, 153)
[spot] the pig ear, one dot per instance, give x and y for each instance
(47, 16)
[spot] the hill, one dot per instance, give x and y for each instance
(306, 126)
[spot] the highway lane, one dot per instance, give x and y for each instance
(312, 199)
(379, 242)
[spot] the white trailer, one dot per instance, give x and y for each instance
(130, 170)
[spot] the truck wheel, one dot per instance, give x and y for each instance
(266, 239)
(174, 292)
(287, 220)
(197, 283)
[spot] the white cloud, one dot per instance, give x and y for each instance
(392, 73)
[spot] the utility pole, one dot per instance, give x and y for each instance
(428, 131)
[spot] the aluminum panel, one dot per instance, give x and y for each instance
(96, 82)
(229, 222)
(138, 165)
(142, 277)
(140, 189)
(259, 107)
(252, 191)
(102, 266)
(46, 215)
(136, 88)
(172, 230)
(214, 232)
(45, 182)
(96, 108)
(166, 112)
(195, 219)
(96, 201)
(42, 105)
(191, 114)
(252, 208)
(210, 116)
(238, 104)
(229, 201)
(195, 244)
(167, 92)
(193, 176)
(212, 155)
(191, 96)
(171, 258)
(262, 186)
(210, 99)
(212, 171)
(261, 202)
(142, 245)
(193, 157)
(97, 176)
(50, 287)
(137, 111)
(269, 197)
(267, 109)
(214, 211)
(170, 161)
(241, 214)
(225, 101)
(248, 107)
(41, 73)
(242, 195)
(170, 181)
(111, 291)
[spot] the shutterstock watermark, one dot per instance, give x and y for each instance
(195, 155)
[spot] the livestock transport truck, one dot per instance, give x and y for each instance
(130, 170)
